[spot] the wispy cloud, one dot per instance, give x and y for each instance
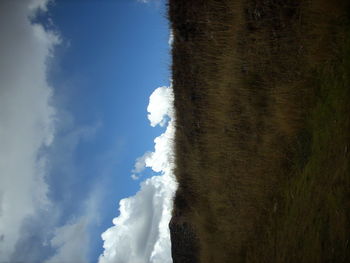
(26, 117)
(47, 238)
(157, 2)
(140, 233)
(140, 165)
(71, 241)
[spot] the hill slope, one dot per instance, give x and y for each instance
(262, 130)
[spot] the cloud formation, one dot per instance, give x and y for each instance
(140, 233)
(26, 117)
(171, 38)
(71, 242)
(140, 165)
(160, 106)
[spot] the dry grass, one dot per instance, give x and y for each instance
(262, 166)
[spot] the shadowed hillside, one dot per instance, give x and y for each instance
(262, 130)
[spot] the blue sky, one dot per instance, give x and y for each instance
(93, 65)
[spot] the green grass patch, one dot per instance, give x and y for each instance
(315, 223)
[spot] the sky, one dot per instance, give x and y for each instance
(86, 131)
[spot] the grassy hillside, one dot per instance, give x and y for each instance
(262, 91)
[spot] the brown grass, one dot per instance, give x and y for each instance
(247, 81)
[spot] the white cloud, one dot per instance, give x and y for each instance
(71, 242)
(160, 106)
(171, 38)
(140, 165)
(161, 159)
(140, 233)
(26, 117)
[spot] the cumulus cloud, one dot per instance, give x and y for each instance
(160, 106)
(140, 233)
(26, 117)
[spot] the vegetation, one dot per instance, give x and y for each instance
(262, 91)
